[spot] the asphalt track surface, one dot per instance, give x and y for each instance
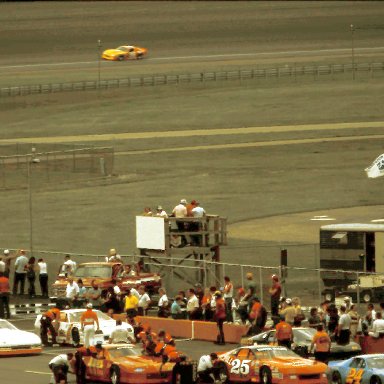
(34, 369)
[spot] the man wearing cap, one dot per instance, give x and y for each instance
(88, 321)
(161, 213)
(20, 272)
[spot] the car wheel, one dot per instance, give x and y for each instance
(329, 295)
(366, 296)
(75, 337)
(336, 378)
(265, 376)
(120, 58)
(222, 372)
(375, 380)
(115, 375)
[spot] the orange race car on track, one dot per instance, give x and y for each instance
(125, 52)
(271, 365)
(125, 364)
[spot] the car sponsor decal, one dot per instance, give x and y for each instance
(354, 376)
(240, 367)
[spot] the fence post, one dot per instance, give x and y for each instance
(358, 292)
(242, 275)
(261, 284)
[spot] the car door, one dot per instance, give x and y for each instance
(356, 372)
(96, 365)
(240, 366)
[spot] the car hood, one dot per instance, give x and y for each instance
(296, 365)
(150, 366)
(351, 347)
(112, 52)
(16, 337)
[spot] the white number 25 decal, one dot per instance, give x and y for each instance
(240, 367)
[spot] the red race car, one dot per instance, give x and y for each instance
(125, 364)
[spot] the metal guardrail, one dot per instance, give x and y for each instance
(168, 79)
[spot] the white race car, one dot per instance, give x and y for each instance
(70, 332)
(14, 341)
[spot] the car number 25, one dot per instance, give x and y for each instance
(240, 367)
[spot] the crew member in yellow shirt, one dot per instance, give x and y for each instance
(131, 304)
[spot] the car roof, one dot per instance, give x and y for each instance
(101, 263)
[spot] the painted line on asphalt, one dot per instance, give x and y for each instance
(195, 132)
(39, 373)
(233, 55)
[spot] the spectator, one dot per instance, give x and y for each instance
(176, 241)
(144, 301)
(4, 297)
(7, 262)
(322, 343)
(71, 291)
(213, 290)
(198, 213)
(2, 265)
(354, 320)
(220, 315)
(69, 266)
(347, 303)
(130, 304)
(343, 329)
(314, 319)
(113, 256)
(275, 292)
(189, 207)
(176, 312)
(94, 295)
(31, 276)
(199, 292)
(135, 292)
(332, 320)
(20, 272)
(371, 313)
(81, 297)
(163, 304)
(147, 211)
(180, 212)
(250, 289)
(112, 302)
(206, 305)
(183, 303)
(43, 277)
(242, 306)
(161, 213)
(299, 316)
(289, 312)
(228, 297)
(377, 326)
(284, 333)
(193, 307)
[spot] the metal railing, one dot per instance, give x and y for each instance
(287, 71)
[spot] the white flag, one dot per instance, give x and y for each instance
(376, 169)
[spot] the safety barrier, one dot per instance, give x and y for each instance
(194, 330)
(27, 309)
(371, 344)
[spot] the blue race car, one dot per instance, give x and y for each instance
(362, 369)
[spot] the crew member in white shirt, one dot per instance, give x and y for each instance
(344, 326)
(43, 277)
(120, 334)
(59, 366)
(144, 301)
(163, 303)
(377, 326)
(72, 290)
(20, 272)
(69, 266)
(205, 368)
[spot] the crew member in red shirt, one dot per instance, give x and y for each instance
(275, 292)
(46, 320)
(4, 296)
(284, 333)
(220, 316)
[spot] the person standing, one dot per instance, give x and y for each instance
(377, 326)
(193, 307)
(180, 212)
(120, 334)
(275, 292)
(163, 304)
(228, 298)
(144, 301)
(4, 297)
(130, 304)
(43, 277)
(20, 272)
(88, 322)
(250, 289)
(31, 276)
(289, 312)
(343, 329)
(220, 316)
(284, 333)
(69, 266)
(94, 295)
(59, 366)
(7, 262)
(71, 291)
(322, 343)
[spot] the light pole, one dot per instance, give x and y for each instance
(29, 162)
(353, 51)
(99, 60)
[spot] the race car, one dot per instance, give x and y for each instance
(125, 364)
(271, 365)
(124, 52)
(362, 369)
(14, 341)
(70, 332)
(302, 338)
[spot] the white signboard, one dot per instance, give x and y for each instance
(150, 232)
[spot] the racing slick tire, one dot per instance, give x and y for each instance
(115, 374)
(375, 380)
(336, 378)
(222, 373)
(120, 58)
(75, 334)
(265, 376)
(329, 294)
(366, 296)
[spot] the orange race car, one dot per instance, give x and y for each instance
(125, 364)
(270, 365)
(125, 52)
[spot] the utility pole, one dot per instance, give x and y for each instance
(353, 50)
(99, 61)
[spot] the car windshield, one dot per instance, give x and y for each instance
(103, 271)
(4, 324)
(375, 362)
(124, 351)
(125, 49)
(75, 316)
(304, 335)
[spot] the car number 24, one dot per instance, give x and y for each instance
(240, 367)
(354, 376)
